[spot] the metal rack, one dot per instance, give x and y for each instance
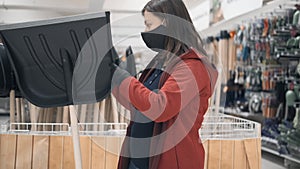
(87, 129)
(48, 128)
(108, 129)
(225, 127)
(215, 126)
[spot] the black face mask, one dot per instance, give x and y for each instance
(155, 39)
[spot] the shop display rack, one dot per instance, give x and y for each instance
(222, 126)
(102, 141)
(268, 144)
(26, 145)
(256, 117)
(274, 61)
(230, 141)
(99, 129)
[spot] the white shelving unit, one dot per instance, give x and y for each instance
(86, 129)
(225, 127)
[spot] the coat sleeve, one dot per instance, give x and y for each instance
(188, 80)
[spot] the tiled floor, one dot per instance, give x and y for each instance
(270, 161)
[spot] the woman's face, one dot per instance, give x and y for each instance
(151, 21)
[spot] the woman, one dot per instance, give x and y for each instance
(169, 100)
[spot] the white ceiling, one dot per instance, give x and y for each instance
(66, 7)
(124, 5)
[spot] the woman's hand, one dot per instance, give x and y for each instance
(119, 75)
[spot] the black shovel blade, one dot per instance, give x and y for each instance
(5, 73)
(55, 61)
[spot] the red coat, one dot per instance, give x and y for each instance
(177, 110)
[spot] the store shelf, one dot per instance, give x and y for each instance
(269, 140)
(266, 149)
(249, 116)
(280, 155)
(87, 129)
(275, 152)
(4, 111)
(287, 56)
(219, 126)
(284, 57)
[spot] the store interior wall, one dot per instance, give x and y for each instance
(126, 18)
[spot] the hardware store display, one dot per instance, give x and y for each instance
(264, 80)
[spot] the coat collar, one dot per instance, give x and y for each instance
(192, 54)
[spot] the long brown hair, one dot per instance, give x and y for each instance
(186, 34)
